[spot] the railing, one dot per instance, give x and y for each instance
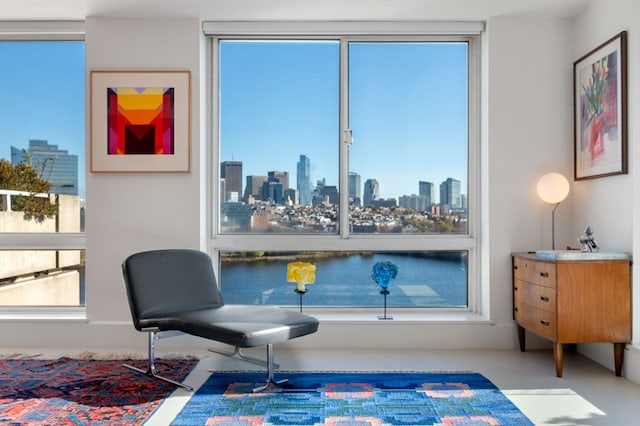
(45, 273)
(6, 194)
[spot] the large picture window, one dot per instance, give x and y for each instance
(279, 124)
(345, 150)
(42, 185)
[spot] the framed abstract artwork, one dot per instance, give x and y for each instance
(140, 121)
(600, 110)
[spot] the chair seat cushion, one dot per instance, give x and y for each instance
(242, 325)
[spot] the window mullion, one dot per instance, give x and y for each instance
(345, 139)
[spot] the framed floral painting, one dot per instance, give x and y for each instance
(140, 121)
(600, 110)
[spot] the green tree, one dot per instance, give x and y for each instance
(25, 177)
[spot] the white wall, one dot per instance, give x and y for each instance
(610, 204)
(133, 212)
(527, 131)
(528, 134)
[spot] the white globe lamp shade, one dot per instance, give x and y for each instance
(553, 188)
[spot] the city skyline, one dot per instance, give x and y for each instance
(242, 192)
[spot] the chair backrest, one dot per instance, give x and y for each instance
(160, 283)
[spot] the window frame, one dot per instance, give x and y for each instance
(43, 31)
(347, 32)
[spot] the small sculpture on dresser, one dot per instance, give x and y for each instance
(589, 243)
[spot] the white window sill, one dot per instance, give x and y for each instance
(46, 313)
(371, 317)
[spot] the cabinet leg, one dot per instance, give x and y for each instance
(557, 357)
(618, 357)
(521, 337)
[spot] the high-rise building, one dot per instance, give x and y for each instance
(231, 172)
(330, 194)
(272, 191)
(253, 186)
(316, 197)
(56, 166)
(426, 189)
(222, 191)
(282, 177)
(235, 216)
(355, 190)
(371, 192)
(414, 202)
(450, 193)
(303, 180)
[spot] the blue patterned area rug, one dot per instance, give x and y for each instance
(350, 399)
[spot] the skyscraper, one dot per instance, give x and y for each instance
(355, 190)
(278, 176)
(231, 172)
(426, 189)
(272, 191)
(57, 166)
(303, 180)
(277, 183)
(253, 186)
(414, 202)
(371, 192)
(450, 193)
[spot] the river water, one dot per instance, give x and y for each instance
(423, 280)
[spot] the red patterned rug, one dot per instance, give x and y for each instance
(69, 391)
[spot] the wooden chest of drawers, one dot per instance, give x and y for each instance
(573, 301)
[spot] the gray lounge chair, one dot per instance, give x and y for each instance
(176, 289)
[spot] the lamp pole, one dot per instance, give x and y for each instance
(553, 227)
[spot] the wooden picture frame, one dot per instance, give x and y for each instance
(600, 110)
(140, 121)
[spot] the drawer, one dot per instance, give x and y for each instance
(538, 296)
(517, 310)
(538, 272)
(538, 321)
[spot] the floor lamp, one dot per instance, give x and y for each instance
(553, 188)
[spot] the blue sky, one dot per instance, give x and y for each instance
(408, 110)
(42, 96)
(279, 100)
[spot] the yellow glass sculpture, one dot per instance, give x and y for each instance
(301, 273)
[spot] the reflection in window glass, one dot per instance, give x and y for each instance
(42, 185)
(408, 106)
(42, 127)
(42, 278)
(279, 126)
(424, 279)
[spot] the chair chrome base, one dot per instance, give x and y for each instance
(151, 370)
(238, 354)
(271, 366)
(270, 371)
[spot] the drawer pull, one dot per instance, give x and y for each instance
(544, 274)
(515, 289)
(545, 323)
(515, 267)
(515, 309)
(544, 298)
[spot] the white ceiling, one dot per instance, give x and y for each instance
(17, 10)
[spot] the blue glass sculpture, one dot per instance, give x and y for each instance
(382, 273)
